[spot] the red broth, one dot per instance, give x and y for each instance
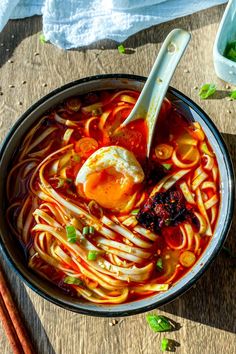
(95, 217)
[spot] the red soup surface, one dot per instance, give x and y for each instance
(95, 217)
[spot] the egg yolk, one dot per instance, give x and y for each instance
(109, 188)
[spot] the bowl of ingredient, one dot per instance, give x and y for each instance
(224, 52)
(93, 226)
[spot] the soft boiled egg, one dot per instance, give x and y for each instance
(110, 176)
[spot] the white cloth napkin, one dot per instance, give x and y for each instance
(76, 23)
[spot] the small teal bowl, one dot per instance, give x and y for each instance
(225, 68)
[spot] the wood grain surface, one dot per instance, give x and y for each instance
(207, 312)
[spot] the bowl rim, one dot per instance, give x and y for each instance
(114, 313)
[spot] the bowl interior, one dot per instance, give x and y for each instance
(15, 254)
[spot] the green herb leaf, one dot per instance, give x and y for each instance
(121, 49)
(135, 212)
(233, 95)
(92, 255)
(42, 38)
(159, 323)
(167, 166)
(85, 230)
(72, 280)
(159, 264)
(165, 344)
(207, 90)
(71, 233)
(230, 51)
(231, 54)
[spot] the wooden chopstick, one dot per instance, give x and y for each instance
(13, 325)
(9, 329)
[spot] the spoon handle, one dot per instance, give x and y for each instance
(154, 90)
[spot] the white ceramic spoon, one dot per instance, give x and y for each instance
(149, 102)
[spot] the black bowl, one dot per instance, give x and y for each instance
(13, 251)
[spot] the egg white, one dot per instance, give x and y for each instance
(121, 159)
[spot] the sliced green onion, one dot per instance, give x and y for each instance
(42, 38)
(71, 233)
(85, 230)
(92, 255)
(76, 158)
(121, 49)
(61, 182)
(159, 264)
(165, 344)
(207, 90)
(72, 280)
(167, 166)
(159, 323)
(233, 95)
(91, 230)
(204, 148)
(135, 212)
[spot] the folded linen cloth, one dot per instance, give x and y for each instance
(76, 23)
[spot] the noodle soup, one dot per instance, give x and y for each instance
(95, 217)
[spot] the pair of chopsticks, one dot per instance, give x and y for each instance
(12, 323)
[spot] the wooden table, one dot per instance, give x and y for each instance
(29, 70)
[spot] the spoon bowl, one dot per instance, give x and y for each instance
(154, 91)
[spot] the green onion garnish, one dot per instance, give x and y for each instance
(42, 38)
(72, 280)
(92, 255)
(85, 230)
(204, 148)
(135, 212)
(121, 49)
(76, 158)
(159, 264)
(91, 230)
(165, 345)
(206, 91)
(159, 323)
(167, 166)
(60, 183)
(71, 233)
(233, 95)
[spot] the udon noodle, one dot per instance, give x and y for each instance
(94, 217)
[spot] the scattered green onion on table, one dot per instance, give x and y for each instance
(207, 90)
